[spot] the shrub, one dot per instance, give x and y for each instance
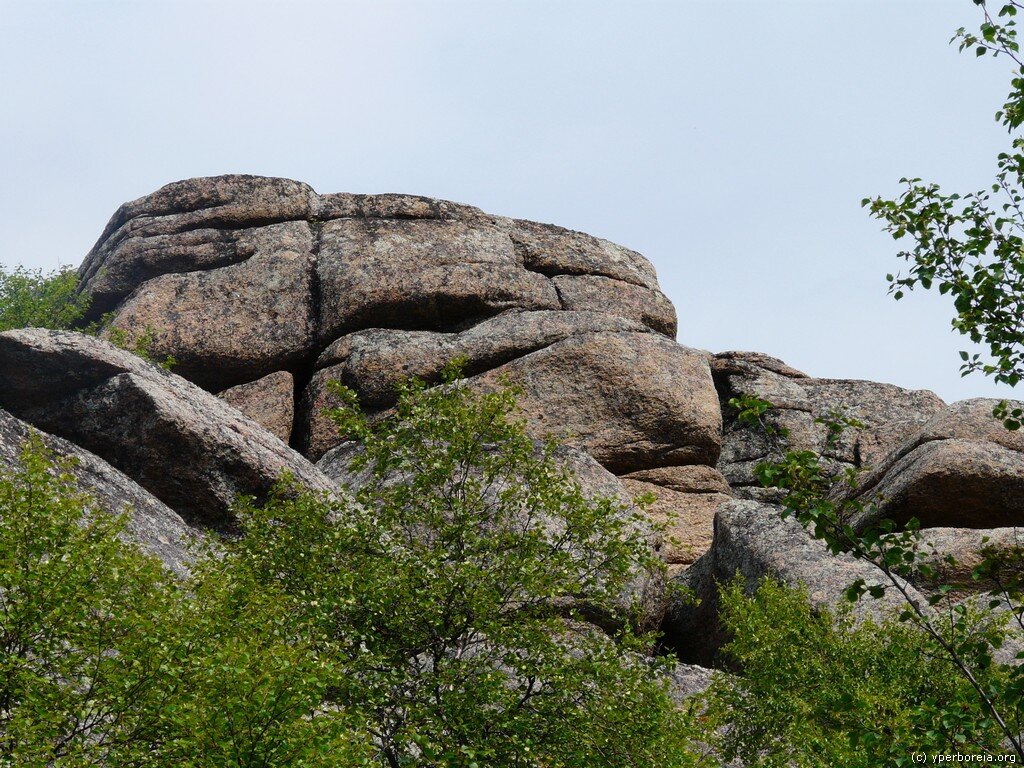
(36, 299)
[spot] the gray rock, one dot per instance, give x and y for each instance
(189, 225)
(235, 323)
(753, 542)
(420, 274)
(890, 415)
(372, 362)
(241, 276)
(152, 525)
(187, 447)
(594, 293)
(632, 400)
(963, 469)
(269, 401)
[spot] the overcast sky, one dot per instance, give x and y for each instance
(731, 143)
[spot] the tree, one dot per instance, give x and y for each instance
(452, 590)
(36, 299)
(436, 616)
(971, 245)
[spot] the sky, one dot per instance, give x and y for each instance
(730, 143)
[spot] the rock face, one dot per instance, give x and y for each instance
(890, 415)
(244, 280)
(751, 540)
(269, 401)
(151, 524)
(963, 469)
(265, 291)
(186, 447)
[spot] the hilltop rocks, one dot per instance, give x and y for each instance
(240, 276)
(752, 540)
(188, 448)
(963, 469)
(889, 414)
(151, 524)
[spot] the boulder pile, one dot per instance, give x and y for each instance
(264, 291)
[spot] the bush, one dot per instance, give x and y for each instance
(434, 621)
(36, 299)
(818, 689)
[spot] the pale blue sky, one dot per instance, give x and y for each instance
(731, 143)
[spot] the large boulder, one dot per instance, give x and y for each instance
(151, 524)
(962, 469)
(187, 447)
(889, 415)
(632, 400)
(752, 542)
(241, 276)
(631, 397)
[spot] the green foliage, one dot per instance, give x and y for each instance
(816, 689)
(965, 636)
(435, 617)
(450, 593)
(31, 298)
(971, 245)
(107, 660)
(138, 344)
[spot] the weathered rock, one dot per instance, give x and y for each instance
(187, 447)
(269, 401)
(235, 323)
(686, 499)
(150, 524)
(420, 274)
(752, 540)
(889, 414)
(632, 400)
(594, 293)
(645, 595)
(241, 276)
(962, 469)
(372, 362)
(553, 250)
(186, 226)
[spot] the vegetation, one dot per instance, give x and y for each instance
(965, 634)
(32, 298)
(818, 689)
(435, 621)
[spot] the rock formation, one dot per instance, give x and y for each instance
(264, 291)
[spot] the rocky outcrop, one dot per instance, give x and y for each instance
(685, 501)
(889, 415)
(753, 542)
(962, 469)
(269, 401)
(150, 523)
(241, 276)
(188, 448)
